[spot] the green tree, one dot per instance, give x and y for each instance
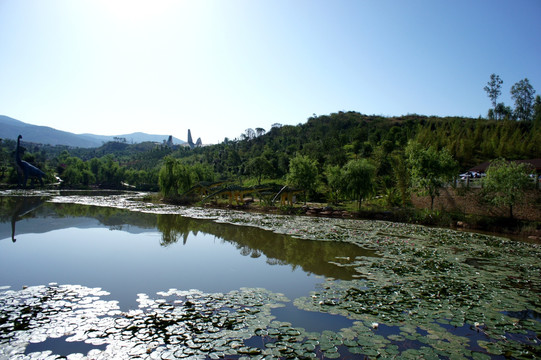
(174, 178)
(503, 112)
(75, 172)
(166, 177)
(493, 89)
(259, 167)
(201, 172)
(302, 174)
(110, 174)
(537, 112)
(402, 176)
(430, 169)
(335, 182)
(505, 183)
(358, 177)
(95, 165)
(4, 162)
(523, 94)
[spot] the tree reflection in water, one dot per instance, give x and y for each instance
(317, 257)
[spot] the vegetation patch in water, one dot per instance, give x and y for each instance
(426, 293)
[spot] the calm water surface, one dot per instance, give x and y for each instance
(127, 253)
(429, 293)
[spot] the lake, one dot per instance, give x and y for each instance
(107, 276)
(127, 253)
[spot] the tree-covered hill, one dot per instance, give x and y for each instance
(328, 141)
(334, 139)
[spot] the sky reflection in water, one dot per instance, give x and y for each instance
(128, 253)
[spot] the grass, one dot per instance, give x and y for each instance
(383, 208)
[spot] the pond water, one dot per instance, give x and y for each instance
(126, 253)
(110, 277)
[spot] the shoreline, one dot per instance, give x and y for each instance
(516, 229)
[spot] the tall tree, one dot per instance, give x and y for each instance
(259, 167)
(402, 176)
(537, 112)
(503, 112)
(335, 182)
(505, 183)
(249, 133)
(523, 94)
(430, 169)
(175, 178)
(359, 178)
(302, 174)
(493, 89)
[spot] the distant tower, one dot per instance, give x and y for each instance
(198, 143)
(190, 140)
(170, 141)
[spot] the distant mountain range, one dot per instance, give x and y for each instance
(11, 128)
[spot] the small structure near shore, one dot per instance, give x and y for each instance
(479, 171)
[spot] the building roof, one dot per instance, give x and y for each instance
(481, 168)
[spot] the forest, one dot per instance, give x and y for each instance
(328, 143)
(340, 157)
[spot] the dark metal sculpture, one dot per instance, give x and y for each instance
(26, 169)
(23, 206)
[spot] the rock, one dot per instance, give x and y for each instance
(462, 224)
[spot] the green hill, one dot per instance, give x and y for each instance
(334, 139)
(329, 140)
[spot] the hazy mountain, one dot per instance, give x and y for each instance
(11, 128)
(136, 137)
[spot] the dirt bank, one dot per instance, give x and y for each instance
(467, 201)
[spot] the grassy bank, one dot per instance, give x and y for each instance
(522, 229)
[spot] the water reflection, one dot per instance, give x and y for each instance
(317, 257)
(19, 208)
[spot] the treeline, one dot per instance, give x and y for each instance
(336, 138)
(329, 143)
(105, 167)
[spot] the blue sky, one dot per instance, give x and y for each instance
(219, 67)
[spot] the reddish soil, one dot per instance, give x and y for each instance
(467, 201)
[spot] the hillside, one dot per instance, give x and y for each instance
(11, 128)
(334, 139)
(330, 141)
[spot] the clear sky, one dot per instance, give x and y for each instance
(113, 67)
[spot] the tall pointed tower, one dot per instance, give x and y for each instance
(190, 140)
